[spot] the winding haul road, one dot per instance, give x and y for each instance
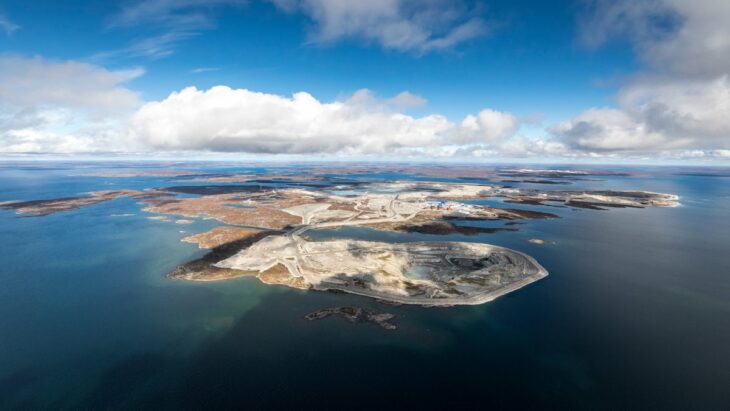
(292, 264)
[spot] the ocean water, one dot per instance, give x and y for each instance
(634, 314)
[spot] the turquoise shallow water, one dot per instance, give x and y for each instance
(635, 314)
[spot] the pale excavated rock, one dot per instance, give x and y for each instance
(426, 273)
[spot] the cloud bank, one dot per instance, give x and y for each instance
(676, 107)
(62, 106)
(680, 103)
(49, 106)
(239, 120)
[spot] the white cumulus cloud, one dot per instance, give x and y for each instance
(679, 104)
(406, 99)
(49, 106)
(225, 119)
(487, 125)
(61, 106)
(688, 37)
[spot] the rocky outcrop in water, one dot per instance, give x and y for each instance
(355, 315)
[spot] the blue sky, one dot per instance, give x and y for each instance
(545, 65)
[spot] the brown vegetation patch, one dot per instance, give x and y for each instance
(218, 207)
(279, 274)
(56, 205)
(203, 269)
(220, 235)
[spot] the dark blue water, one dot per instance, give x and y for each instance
(635, 314)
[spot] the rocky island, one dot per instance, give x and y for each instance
(355, 315)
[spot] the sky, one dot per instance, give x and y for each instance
(479, 81)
